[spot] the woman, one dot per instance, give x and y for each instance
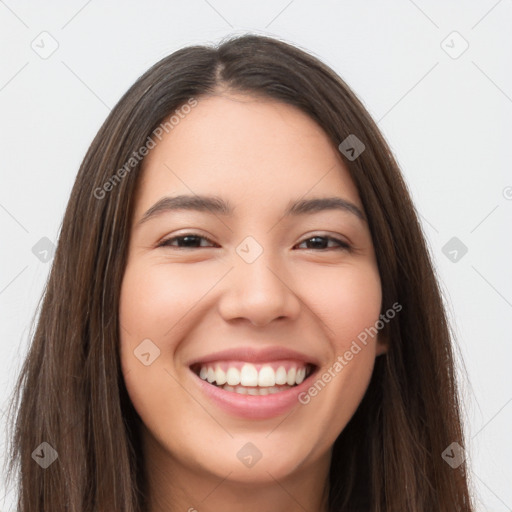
(242, 312)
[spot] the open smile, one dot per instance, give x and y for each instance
(254, 379)
(254, 384)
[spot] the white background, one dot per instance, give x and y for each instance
(448, 121)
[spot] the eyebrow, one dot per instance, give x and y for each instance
(217, 205)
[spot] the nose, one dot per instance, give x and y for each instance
(259, 292)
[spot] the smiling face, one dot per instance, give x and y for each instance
(260, 302)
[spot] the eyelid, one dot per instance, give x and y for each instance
(164, 241)
(343, 244)
(337, 237)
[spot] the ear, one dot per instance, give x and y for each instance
(382, 345)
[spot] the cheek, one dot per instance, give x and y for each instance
(154, 301)
(156, 309)
(347, 301)
(348, 304)
(149, 311)
(151, 307)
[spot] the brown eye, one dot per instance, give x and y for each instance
(320, 243)
(193, 241)
(186, 241)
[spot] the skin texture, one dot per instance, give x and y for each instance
(258, 154)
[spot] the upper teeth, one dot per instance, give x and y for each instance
(249, 375)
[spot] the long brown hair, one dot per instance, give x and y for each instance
(70, 392)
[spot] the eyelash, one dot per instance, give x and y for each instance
(344, 246)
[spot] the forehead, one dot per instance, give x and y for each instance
(248, 149)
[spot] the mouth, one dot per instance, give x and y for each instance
(254, 384)
(254, 379)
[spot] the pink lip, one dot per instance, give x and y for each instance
(254, 407)
(251, 355)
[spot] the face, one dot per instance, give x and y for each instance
(240, 324)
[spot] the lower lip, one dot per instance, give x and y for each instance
(254, 406)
